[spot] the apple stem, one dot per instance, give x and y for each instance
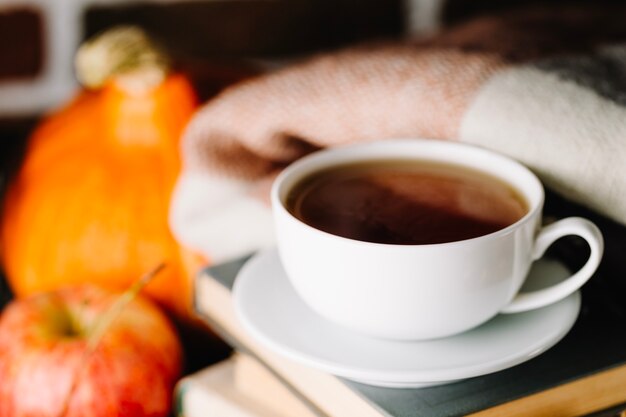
(93, 340)
(101, 326)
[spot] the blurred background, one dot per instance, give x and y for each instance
(216, 42)
(210, 38)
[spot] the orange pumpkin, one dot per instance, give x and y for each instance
(90, 203)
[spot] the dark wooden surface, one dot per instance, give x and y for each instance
(223, 28)
(12, 142)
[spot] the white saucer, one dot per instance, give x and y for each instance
(272, 312)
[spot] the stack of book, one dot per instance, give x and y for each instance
(582, 374)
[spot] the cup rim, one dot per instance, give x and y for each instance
(299, 164)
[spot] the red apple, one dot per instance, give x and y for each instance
(48, 369)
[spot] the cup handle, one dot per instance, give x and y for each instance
(548, 235)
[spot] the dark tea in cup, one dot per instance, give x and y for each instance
(405, 202)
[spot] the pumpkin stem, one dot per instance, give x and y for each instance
(125, 54)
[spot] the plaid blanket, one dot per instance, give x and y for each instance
(544, 86)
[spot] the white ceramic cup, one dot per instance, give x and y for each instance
(415, 292)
